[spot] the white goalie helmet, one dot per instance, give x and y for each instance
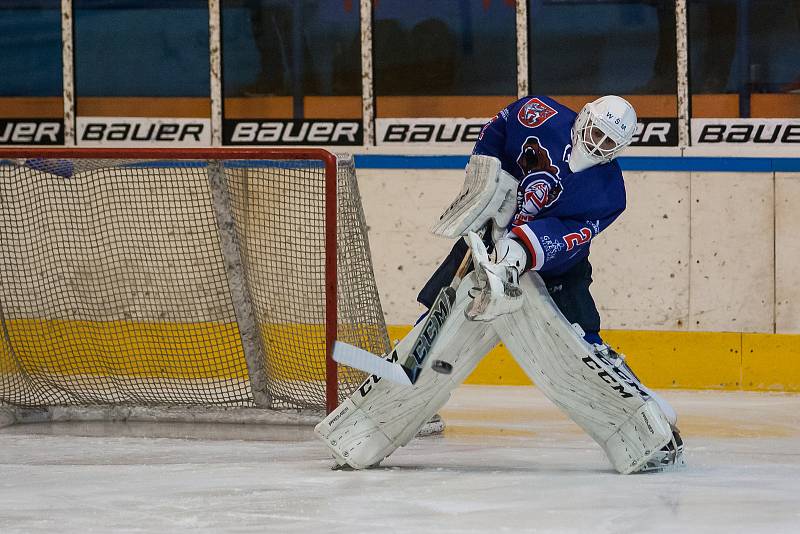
(600, 131)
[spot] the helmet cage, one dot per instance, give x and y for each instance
(598, 140)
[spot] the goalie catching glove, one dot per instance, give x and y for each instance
(497, 290)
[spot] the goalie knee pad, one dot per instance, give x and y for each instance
(381, 416)
(611, 407)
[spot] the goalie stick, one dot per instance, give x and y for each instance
(391, 367)
(405, 369)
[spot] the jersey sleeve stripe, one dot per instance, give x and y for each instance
(526, 235)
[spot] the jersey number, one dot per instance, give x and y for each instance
(578, 238)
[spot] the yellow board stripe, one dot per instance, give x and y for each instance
(169, 350)
(689, 360)
(771, 362)
(125, 348)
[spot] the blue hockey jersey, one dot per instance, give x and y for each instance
(558, 212)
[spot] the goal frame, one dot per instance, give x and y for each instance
(329, 161)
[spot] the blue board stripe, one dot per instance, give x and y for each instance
(375, 161)
(786, 164)
(697, 164)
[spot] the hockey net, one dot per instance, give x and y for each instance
(187, 278)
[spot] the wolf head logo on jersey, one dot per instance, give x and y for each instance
(535, 113)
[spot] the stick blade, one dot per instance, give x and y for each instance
(363, 360)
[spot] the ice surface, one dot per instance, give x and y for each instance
(509, 462)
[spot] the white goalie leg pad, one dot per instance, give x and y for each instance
(381, 416)
(628, 425)
(618, 362)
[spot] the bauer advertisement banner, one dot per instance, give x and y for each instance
(758, 132)
(463, 133)
(31, 132)
(460, 133)
(135, 131)
(292, 132)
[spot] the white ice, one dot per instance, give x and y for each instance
(508, 462)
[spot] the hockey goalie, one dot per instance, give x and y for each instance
(540, 185)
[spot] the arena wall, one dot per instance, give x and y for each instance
(695, 281)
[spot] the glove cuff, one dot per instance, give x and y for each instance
(512, 253)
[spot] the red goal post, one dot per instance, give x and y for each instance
(114, 165)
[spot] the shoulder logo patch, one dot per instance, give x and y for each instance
(535, 113)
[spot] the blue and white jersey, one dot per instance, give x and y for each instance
(558, 212)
